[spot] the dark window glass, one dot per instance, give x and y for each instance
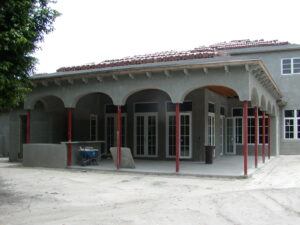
(289, 113)
(298, 113)
(237, 112)
(251, 112)
(184, 107)
(146, 107)
(211, 107)
(114, 109)
(222, 111)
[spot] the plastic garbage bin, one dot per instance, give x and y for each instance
(209, 152)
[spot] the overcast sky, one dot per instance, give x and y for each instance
(94, 30)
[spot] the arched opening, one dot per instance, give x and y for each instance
(146, 124)
(210, 115)
(91, 126)
(48, 120)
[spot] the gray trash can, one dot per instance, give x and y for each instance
(209, 151)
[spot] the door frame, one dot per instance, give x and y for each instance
(233, 134)
(114, 115)
(190, 137)
(223, 133)
(145, 115)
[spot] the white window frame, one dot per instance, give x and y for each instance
(211, 141)
(146, 114)
(167, 134)
(292, 66)
(295, 119)
(95, 117)
(258, 132)
(222, 130)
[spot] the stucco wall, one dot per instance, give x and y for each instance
(45, 155)
(4, 134)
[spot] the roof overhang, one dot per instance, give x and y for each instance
(261, 72)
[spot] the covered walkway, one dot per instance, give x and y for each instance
(225, 166)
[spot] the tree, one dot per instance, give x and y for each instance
(23, 24)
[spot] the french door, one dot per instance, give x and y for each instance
(185, 135)
(145, 134)
(230, 136)
(222, 131)
(111, 130)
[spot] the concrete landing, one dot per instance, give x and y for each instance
(225, 166)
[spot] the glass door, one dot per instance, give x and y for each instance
(185, 135)
(230, 136)
(145, 138)
(111, 130)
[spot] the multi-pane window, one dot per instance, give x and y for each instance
(260, 131)
(290, 66)
(292, 124)
(239, 130)
(93, 127)
(238, 113)
(211, 124)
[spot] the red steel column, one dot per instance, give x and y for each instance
(69, 154)
(177, 121)
(263, 151)
(28, 127)
(245, 136)
(119, 137)
(269, 136)
(256, 137)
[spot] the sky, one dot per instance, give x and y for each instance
(90, 31)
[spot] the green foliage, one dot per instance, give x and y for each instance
(23, 24)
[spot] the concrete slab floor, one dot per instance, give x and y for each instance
(225, 166)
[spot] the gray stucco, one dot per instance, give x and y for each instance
(254, 75)
(45, 155)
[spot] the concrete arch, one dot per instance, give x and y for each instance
(254, 97)
(188, 91)
(132, 92)
(31, 101)
(82, 95)
(263, 103)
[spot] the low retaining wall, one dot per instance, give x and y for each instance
(45, 155)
